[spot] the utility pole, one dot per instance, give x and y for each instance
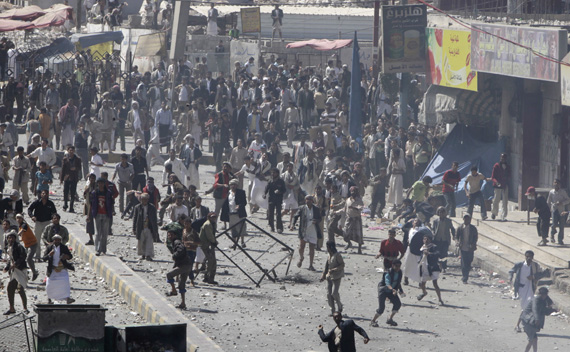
(376, 40)
(404, 94)
(178, 41)
(78, 16)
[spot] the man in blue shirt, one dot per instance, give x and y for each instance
(44, 177)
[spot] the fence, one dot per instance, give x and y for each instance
(16, 334)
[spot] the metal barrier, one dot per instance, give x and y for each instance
(16, 333)
(265, 272)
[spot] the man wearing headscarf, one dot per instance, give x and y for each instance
(57, 285)
(17, 269)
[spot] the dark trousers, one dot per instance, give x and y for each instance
(211, 264)
(450, 203)
(542, 226)
(275, 208)
(409, 175)
(378, 202)
(183, 271)
(218, 153)
(146, 138)
(192, 256)
(12, 286)
(69, 190)
(466, 260)
(559, 222)
(139, 180)
(394, 299)
(473, 197)
(419, 170)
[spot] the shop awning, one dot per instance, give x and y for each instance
(321, 44)
(451, 105)
(90, 39)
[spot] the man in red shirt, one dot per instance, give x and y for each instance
(222, 186)
(501, 176)
(451, 179)
(391, 249)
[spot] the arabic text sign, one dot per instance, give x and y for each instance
(241, 52)
(403, 38)
(494, 55)
(250, 20)
(449, 58)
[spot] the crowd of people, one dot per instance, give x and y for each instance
(248, 118)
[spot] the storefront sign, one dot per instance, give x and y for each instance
(449, 58)
(491, 54)
(565, 81)
(250, 20)
(403, 38)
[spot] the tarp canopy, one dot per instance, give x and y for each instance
(460, 145)
(321, 44)
(51, 19)
(59, 47)
(26, 13)
(7, 25)
(89, 39)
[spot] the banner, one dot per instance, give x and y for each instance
(449, 58)
(250, 20)
(565, 81)
(491, 54)
(242, 51)
(403, 38)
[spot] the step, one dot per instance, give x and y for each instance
(514, 248)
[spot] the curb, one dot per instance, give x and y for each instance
(136, 292)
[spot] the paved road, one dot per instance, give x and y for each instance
(284, 316)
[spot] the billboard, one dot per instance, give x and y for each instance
(449, 58)
(565, 81)
(491, 54)
(403, 38)
(250, 20)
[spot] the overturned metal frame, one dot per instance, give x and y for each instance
(266, 272)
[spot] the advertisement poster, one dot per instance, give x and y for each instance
(250, 20)
(449, 58)
(490, 53)
(403, 38)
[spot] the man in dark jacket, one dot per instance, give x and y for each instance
(221, 186)
(10, 206)
(239, 122)
(70, 175)
(101, 213)
(17, 269)
(145, 227)
(57, 285)
(466, 240)
(276, 189)
(234, 210)
(341, 338)
(500, 177)
(543, 210)
(533, 317)
(182, 267)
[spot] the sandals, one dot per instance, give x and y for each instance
(420, 297)
(9, 312)
(171, 293)
(300, 262)
(518, 329)
(373, 324)
(391, 322)
(311, 268)
(181, 306)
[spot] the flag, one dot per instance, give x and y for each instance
(355, 107)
